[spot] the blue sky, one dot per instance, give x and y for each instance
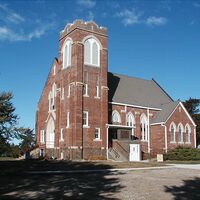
(147, 39)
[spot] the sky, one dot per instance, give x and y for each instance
(146, 39)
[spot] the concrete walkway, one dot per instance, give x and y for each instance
(186, 166)
(182, 166)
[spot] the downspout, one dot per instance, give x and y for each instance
(107, 142)
(165, 137)
(195, 138)
(148, 131)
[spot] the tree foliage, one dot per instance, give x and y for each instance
(27, 138)
(9, 129)
(8, 119)
(192, 105)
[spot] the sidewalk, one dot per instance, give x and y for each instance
(97, 170)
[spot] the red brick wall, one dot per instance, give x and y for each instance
(179, 116)
(76, 137)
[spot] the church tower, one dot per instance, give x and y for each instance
(83, 112)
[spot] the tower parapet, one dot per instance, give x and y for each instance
(89, 26)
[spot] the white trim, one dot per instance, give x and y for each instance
(187, 114)
(120, 126)
(54, 70)
(61, 135)
(154, 124)
(97, 92)
(68, 119)
(86, 90)
(148, 131)
(165, 136)
(132, 105)
(107, 142)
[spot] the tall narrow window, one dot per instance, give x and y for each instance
(180, 133)
(54, 70)
(172, 132)
(87, 54)
(69, 90)
(51, 97)
(91, 52)
(143, 126)
(97, 134)
(85, 118)
(61, 135)
(42, 136)
(187, 133)
(95, 53)
(68, 119)
(130, 120)
(63, 93)
(67, 53)
(116, 117)
(97, 85)
(85, 83)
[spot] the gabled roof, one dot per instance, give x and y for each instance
(136, 91)
(166, 111)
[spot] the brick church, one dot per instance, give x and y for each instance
(86, 112)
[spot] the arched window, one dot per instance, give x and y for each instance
(51, 97)
(91, 52)
(66, 51)
(116, 117)
(180, 133)
(187, 133)
(143, 126)
(50, 133)
(172, 132)
(130, 121)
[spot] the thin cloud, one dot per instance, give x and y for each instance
(129, 17)
(133, 17)
(86, 3)
(156, 21)
(8, 15)
(14, 36)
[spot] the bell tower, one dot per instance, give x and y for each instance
(83, 78)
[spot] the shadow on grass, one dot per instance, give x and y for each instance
(15, 183)
(189, 190)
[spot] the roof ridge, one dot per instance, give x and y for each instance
(156, 83)
(128, 76)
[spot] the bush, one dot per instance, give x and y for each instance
(182, 154)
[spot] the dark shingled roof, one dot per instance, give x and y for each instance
(135, 91)
(163, 115)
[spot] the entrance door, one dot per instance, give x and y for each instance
(134, 154)
(50, 135)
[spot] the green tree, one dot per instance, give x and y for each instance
(192, 106)
(8, 119)
(27, 138)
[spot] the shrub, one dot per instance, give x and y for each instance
(183, 153)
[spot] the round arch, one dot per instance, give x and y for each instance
(50, 133)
